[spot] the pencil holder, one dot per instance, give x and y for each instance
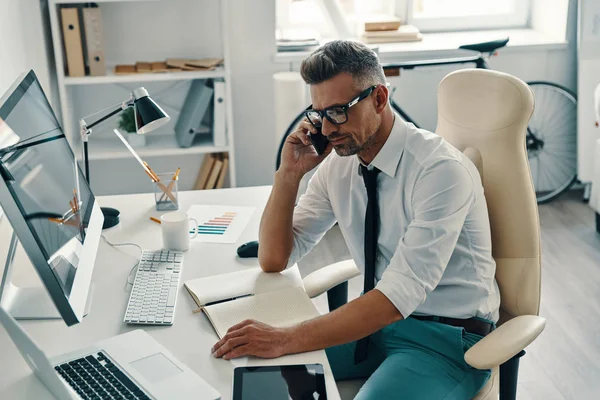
(165, 192)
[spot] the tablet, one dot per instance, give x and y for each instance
(284, 382)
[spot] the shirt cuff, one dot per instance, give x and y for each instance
(405, 293)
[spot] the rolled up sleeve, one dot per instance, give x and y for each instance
(313, 215)
(442, 197)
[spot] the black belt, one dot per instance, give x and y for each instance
(471, 325)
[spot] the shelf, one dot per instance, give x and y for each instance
(163, 145)
(110, 77)
(99, 1)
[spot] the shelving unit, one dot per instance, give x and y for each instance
(157, 146)
(110, 77)
(206, 37)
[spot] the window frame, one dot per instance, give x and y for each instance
(519, 19)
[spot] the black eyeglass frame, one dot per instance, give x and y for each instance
(344, 107)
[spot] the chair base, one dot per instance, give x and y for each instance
(509, 372)
(337, 296)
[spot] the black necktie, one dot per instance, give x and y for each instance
(371, 234)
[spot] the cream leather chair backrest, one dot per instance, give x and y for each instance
(485, 114)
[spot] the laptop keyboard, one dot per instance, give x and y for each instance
(96, 377)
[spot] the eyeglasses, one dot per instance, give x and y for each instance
(337, 115)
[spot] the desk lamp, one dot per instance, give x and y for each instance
(148, 116)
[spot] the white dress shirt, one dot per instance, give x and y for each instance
(434, 252)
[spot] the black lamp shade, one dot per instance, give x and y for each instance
(148, 114)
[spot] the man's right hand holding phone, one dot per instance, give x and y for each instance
(299, 155)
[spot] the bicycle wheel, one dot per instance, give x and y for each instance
(552, 140)
(291, 129)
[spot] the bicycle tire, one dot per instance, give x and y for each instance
(553, 164)
(291, 129)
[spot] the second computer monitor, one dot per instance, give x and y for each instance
(47, 200)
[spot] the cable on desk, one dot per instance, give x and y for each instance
(114, 245)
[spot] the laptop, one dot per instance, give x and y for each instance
(128, 366)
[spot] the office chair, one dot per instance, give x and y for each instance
(485, 114)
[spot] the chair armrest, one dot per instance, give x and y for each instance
(505, 342)
(325, 278)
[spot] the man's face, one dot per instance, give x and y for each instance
(356, 134)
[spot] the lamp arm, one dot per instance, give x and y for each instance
(107, 116)
(86, 129)
(113, 110)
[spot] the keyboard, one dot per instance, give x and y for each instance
(154, 294)
(96, 377)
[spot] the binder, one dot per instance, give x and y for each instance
(214, 174)
(72, 41)
(219, 115)
(94, 41)
(205, 169)
(196, 103)
(221, 179)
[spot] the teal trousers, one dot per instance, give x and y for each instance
(414, 360)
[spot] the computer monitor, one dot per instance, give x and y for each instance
(49, 204)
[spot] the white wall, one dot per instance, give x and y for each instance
(253, 49)
(251, 28)
(252, 36)
(22, 43)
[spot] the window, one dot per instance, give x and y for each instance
(427, 15)
(454, 15)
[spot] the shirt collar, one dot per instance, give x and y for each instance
(389, 156)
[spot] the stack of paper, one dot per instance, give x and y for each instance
(296, 39)
(405, 33)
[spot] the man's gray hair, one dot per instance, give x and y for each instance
(339, 56)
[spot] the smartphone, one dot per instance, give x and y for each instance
(319, 141)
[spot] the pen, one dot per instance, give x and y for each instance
(230, 299)
(170, 187)
(155, 220)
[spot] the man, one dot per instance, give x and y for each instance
(412, 212)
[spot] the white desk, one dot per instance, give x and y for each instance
(189, 339)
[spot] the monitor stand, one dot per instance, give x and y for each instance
(27, 302)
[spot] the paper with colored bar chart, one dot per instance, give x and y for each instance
(220, 224)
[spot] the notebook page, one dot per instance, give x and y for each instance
(284, 307)
(240, 283)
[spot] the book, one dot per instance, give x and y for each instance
(277, 299)
(214, 173)
(72, 41)
(182, 64)
(279, 309)
(409, 31)
(143, 67)
(223, 173)
(381, 22)
(205, 63)
(94, 40)
(218, 288)
(406, 33)
(123, 69)
(296, 39)
(204, 172)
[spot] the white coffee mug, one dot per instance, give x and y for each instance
(176, 230)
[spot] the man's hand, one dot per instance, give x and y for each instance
(252, 338)
(298, 155)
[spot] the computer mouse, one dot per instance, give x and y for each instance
(111, 217)
(248, 250)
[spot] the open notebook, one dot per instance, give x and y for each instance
(277, 299)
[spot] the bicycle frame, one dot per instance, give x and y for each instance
(480, 61)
